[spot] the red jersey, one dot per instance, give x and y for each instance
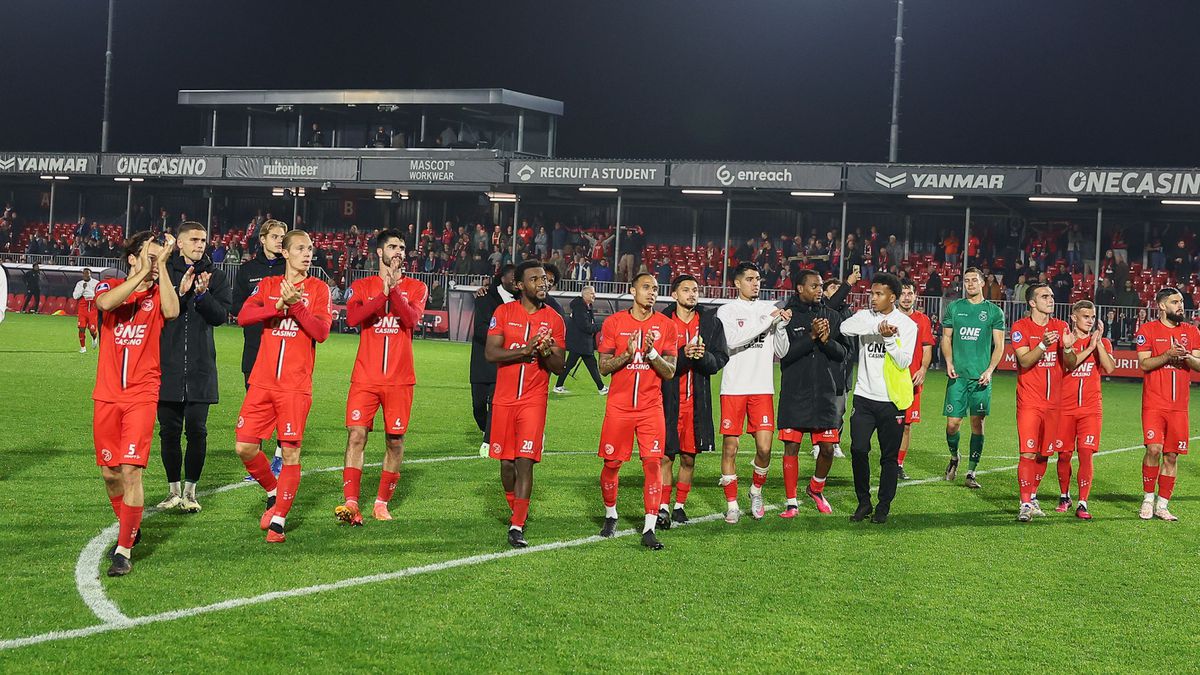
(1167, 388)
(1081, 386)
(924, 339)
(686, 333)
(288, 349)
(129, 369)
(386, 322)
(1040, 385)
(636, 387)
(525, 381)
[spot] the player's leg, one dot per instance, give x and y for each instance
(651, 432)
(816, 485)
(289, 485)
(616, 448)
(862, 427)
(905, 440)
(1087, 442)
(977, 426)
(393, 458)
(132, 507)
(761, 421)
(956, 409)
(1154, 433)
(791, 470)
(667, 477)
(687, 466)
(106, 438)
(589, 360)
(1064, 446)
(1166, 483)
(889, 426)
(362, 403)
(170, 436)
(523, 468)
(733, 412)
(195, 421)
(255, 421)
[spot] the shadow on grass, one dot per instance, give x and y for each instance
(18, 460)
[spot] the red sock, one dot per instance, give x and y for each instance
(351, 483)
(610, 478)
(1064, 473)
(1086, 470)
(512, 498)
(116, 505)
(387, 486)
(1149, 478)
(289, 482)
(81, 338)
(652, 484)
(759, 479)
(666, 490)
(817, 486)
(1166, 485)
(260, 468)
(520, 512)
(131, 520)
(900, 457)
(681, 492)
(731, 491)
(791, 475)
(1039, 471)
(1025, 469)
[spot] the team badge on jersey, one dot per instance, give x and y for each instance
(147, 305)
(1141, 340)
(492, 323)
(1017, 336)
(983, 316)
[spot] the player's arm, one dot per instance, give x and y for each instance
(168, 297)
(409, 311)
(495, 351)
(256, 310)
(119, 295)
(948, 347)
(737, 337)
(998, 351)
(1149, 363)
(359, 310)
(552, 354)
(1193, 360)
(78, 292)
(899, 345)
(316, 322)
(213, 304)
(663, 364)
(1027, 357)
(1107, 363)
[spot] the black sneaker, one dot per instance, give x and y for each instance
(270, 502)
(610, 528)
(880, 517)
(664, 520)
(679, 515)
(900, 474)
(861, 513)
(650, 541)
(516, 538)
(952, 469)
(120, 566)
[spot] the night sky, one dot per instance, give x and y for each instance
(1101, 82)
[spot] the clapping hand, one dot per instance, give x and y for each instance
(886, 329)
(189, 278)
(288, 293)
(820, 329)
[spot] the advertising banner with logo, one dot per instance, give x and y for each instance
(956, 180)
(435, 322)
(49, 163)
(161, 166)
(290, 168)
(1121, 182)
(425, 170)
(757, 176)
(581, 172)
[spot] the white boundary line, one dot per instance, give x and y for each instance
(114, 619)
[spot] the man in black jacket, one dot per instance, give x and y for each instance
(687, 397)
(268, 262)
(552, 276)
(813, 389)
(33, 288)
(189, 363)
(581, 340)
(483, 373)
(836, 294)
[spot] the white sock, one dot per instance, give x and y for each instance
(278, 520)
(678, 504)
(121, 550)
(1083, 503)
(270, 493)
(651, 520)
(1162, 503)
(518, 529)
(819, 480)
(1148, 498)
(792, 502)
(174, 488)
(1064, 495)
(278, 451)
(1033, 498)
(610, 512)
(189, 490)
(665, 506)
(732, 505)
(380, 501)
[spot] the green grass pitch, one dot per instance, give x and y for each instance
(951, 583)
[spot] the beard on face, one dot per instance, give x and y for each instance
(1177, 317)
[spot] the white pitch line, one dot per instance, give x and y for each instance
(128, 622)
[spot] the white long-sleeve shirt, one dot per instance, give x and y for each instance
(85, 289)
(864, 325)
(750, 332)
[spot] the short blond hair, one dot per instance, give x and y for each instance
(269, 225)
(292, 236)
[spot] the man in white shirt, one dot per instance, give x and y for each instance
(85, 308)
(882, 331)
(748, 384)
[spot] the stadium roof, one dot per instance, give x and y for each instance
(496, 98)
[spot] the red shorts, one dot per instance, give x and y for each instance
(1168, 428)
(1078, 429)
(85, 310)
(267, 410)
(758, 411)
(818, 436)
(365, 399)
(620, 428)
(913, 414)
(1037, 430)
(687, 430)
(122, 432)
(518, 432)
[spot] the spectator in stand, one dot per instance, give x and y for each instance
(1062, 285)
(316, 137)
(218, 253)
(382, 139)
(973, 248)
(765, 254)
(1021, 287)
(496, 259)
(1119, 247)
(557, 259)
(462, 264)
(854, 256)
(447, 235)
(933, 287)
(1106, 295)
(1113, 326)
(480, 240)
(1128, 297)
(581, 270)
(953, 291)
(1142, 319)
(770, 276)
(663, 272)
(1155, 252)
(1074, 248)
(437, 294)
(558, 237)
(525, 232)
(479, 265)
(603, 272)
(746, 251)
(868, 257)
(541, 243)
(1180, 262)
(993, 290)
(337, 291)
(625, 267)
(1120, 271)
(951, 245)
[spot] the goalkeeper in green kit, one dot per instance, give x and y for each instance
(973, 344)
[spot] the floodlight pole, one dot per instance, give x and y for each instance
(842, 245)
(1096, 269)
(725, 256)
(108, 54)
(617, 239)
(516, 216)
(894, 140)
(128, 209)
(965, 248)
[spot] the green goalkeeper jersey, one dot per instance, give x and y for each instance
(971, 339)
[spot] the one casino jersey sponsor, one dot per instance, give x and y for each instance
(525, 381)
(128, 367)
(385, 352)
(636, 387)
(286, 354)
(1081, 386)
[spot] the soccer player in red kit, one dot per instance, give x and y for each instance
(85, 309)
(638, 348)
(128, 376)
(1081, 412)
(295, 313)
(385, 307)
(525, 340)
(922, 357)
(1040, 342)
(1168, 351)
